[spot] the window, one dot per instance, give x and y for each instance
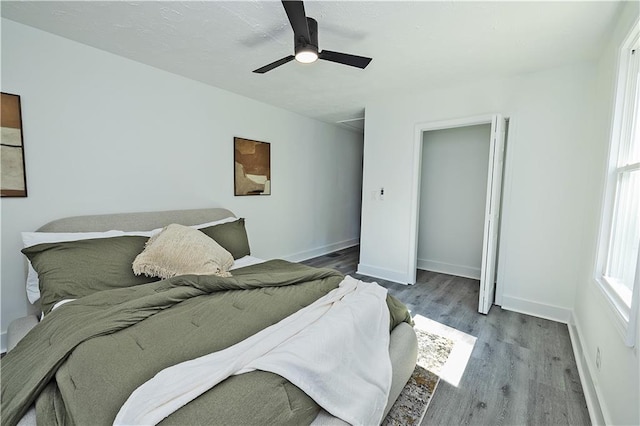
(618, 261)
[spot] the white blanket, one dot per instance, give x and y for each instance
(336, 350)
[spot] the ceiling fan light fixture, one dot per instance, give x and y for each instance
(306, 56)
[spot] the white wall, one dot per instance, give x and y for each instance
(617, 383)
(105, 134)
(453, 192)
(545, 183)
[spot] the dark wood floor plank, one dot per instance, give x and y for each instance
(521, 370)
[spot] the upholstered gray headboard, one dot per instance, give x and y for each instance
(142, 221)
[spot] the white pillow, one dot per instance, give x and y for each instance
(33, 238)
(182, 250)
(202, 225)
(216, 222)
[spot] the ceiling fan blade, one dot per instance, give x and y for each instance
(297, 18)
(345, 59)
(275, 64)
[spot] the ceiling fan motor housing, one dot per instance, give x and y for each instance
(311, 45)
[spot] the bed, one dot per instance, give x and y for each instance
(103, 334)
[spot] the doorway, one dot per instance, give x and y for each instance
(492, 197)
(453, 190)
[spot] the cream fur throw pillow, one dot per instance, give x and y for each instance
(181, 250)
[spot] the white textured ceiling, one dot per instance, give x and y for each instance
(414, 45)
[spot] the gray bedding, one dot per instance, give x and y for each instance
(81, 363)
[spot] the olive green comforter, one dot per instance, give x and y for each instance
(80, 364)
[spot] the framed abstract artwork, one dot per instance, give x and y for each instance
(13, 177)
(252, 167)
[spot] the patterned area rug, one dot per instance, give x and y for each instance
(411, 405)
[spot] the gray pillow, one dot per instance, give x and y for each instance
(73, 269)
(232, 236)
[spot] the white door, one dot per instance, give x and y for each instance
(492, 215)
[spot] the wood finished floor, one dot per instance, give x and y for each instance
(522, 370)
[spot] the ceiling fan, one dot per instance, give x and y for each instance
(305, 38)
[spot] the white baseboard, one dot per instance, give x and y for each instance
(450, 269)
(3, 342)
(586, 378)
(540, 310)
(382, 273)
(320, 251)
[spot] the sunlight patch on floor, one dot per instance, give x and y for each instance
(456, 363)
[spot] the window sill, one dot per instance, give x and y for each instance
(618, 311)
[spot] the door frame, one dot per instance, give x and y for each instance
(419, 130)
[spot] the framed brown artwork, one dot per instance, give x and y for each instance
(13, 177)
(252, 164)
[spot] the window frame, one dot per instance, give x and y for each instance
(627, 100)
